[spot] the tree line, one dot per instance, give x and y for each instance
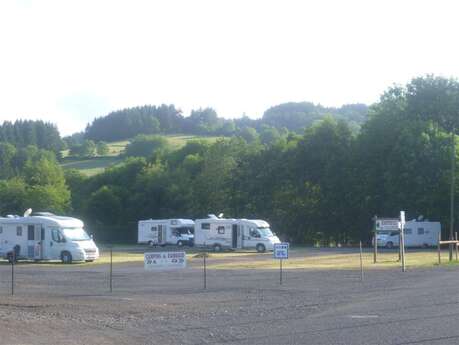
(166, 119)
(22, 133)
(325, 183)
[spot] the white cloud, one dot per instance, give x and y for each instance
(68, 61)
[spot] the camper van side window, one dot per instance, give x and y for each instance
(205, 226)
(408, 231)
(420, 231)
(19, 231)
(153, 228)
(221, 230)
(56, 235)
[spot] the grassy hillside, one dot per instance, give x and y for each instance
(96, 165)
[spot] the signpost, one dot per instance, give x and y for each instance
(164, 260)
(402, 239)
(280, 251)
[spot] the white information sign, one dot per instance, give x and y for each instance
(164, 260)
(402, 218)
(387, 224)
(280, 250)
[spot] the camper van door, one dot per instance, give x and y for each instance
(34, 246)
(56, 243)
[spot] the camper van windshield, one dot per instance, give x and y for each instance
(75, 234)
(265, 232)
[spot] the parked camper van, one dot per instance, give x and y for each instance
(417, 234)
(219, 233)
(166, 231)
(45, 236)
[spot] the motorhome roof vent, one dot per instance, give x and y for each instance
(212, 216)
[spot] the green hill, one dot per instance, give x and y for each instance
(94, 165)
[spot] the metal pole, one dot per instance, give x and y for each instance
(12, 272)
(111, 268)
(453, 166)
(361, 262)
(375, 248)
(205, 273)
(439, 249)
(455, 237)
(375, 241)
(280, 271)
(402, 236)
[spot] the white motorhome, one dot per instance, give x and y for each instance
(45, 236)
(219, 233)
(417, 234)
(166, 231)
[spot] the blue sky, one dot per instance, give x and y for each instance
(69, 61)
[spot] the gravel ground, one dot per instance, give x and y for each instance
(72, 305)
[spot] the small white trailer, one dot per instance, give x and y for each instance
(45, 236)
(219, 233)
(417, 234)
(166, 231)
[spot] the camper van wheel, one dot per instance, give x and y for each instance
(389, 245)
(66, 258)
(217, 247)
(260, 248)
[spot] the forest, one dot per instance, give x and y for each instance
(323, 178)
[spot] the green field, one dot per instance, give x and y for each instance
(96, 165)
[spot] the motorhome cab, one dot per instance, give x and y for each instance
(166, 231)
(219, 233)
(45, 236)
(417, 234)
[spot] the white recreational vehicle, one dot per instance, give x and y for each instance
(166, 231)
(219, 233)
(417, 234)
(45, 236)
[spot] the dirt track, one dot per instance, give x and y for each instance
(72, 305)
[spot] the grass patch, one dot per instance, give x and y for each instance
(340, 261)
(91, 166)
(96, 165)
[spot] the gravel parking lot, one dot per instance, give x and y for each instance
(71, 304)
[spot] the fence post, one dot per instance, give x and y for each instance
(438, 247)
(205, 271)
(12, 271)
(375, 248)
(455, 238)
(111, 268)
(361, 262)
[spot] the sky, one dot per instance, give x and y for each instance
(69, 61)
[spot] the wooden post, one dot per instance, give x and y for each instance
(455, 238)
(439, 249)
(375, 249)
(12, 271)
(111, 268)
(205, 271)
(361, 262)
